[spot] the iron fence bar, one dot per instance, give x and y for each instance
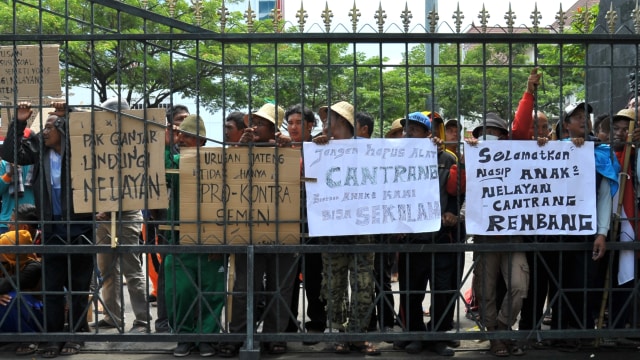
(250, 337)
(362, 38)
(334, 248)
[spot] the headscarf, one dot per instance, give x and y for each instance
(10, 259)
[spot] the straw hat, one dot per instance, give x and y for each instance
(625, 114)
(268, 112)
(395, 127)
(342, 108)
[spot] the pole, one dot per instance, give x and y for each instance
(432, 51)
(616, 223)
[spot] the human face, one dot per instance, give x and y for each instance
(231, 132)
(51, 135)
(362, 130)
(263, 129)
(452, 137)
(415, 131)
(338, 127)
(187, 140)
(577, 125)
(492, 133)
(451, 133)
(602, 134)
(543, 126)
(620, 131)
(170, 136)
(298, 129)
(395, 134)
(633, 103)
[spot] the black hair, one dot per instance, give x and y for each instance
(560, 130)
(171, 111)
(237, 117)
(61, 121)
(365, 119)
(60, 124)
(306, 113)
(603, 121)
(27, 213)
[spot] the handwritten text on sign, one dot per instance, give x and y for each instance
(27, 69)
(118, 160)
(240, 195)
(22, 75)
(518, 187)
(372, 186)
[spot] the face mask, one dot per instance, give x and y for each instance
(489, 137)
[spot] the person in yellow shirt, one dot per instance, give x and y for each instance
(20, 277)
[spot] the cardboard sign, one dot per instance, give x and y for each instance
(240, 195)
(372, 186)
(21, 68)
(117, 164)
(518, 187)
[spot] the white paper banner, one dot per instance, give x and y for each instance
(372, 186)
(518, 187)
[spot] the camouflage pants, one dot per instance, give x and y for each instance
(341, 270)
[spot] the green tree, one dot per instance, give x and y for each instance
(484, 82)
(313, 74)
(154, 70)
(564, 65)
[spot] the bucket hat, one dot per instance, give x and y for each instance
(341, 108)
(268, 111)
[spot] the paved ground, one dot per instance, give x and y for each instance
(469, 349)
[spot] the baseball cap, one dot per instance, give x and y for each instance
(451, 123)
(570, 109)
(418, 117)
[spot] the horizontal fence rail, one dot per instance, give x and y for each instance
(234, 235)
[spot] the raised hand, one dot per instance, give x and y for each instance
(533, 81)
(60, 108)
(24, 111)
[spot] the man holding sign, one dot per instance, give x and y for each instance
(577, 122)
(625, 229)
(272, 269)
(113, 266)
(52, 188)
(492, 267)
(341, 270)
(416, 270)
(190, 276)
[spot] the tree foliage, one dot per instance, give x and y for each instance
(470, 80)
(147, 72)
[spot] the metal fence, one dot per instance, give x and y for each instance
(154, 53)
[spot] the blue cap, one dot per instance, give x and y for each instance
(419, 118)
